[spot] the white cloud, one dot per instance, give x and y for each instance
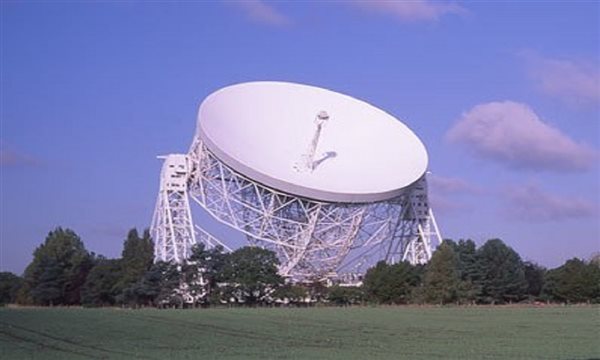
(412, 11)
(442, 204)
(260, 12)
(530, 203)
(451, 185)
(514, 135)
(403, 10)
(574, 81)
(445, 193)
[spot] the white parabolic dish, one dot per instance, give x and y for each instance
(262, 130)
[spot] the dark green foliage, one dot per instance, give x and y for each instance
(162, 280)
(100, 288)
(346, 295)
(204, 271)
(157, 286)
(573, 282)
(441, 283)
(250, 272)
(595, 259)
(466, 252)
(534, 274)
(62, 272)
(49, 284)
(137, 256)
(468, 269)
(391, 284)
(593, 279)
(502, 273)
(58, 270)
(9, 286)
(317, 290)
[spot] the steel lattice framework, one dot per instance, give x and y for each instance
(313, 239)
(172, 226)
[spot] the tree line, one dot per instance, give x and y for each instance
(461, 273)
(63, 272)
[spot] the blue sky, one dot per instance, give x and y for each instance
(505, 96)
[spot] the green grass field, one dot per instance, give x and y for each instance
(314, 333)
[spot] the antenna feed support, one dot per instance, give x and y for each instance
(322, 116)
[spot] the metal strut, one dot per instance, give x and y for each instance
(312, 239)
(307, 161)
(172, 228)
(422, 227)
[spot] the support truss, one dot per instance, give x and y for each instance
(313, 239)
(418, 228)
(172, 226)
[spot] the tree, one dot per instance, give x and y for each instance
(9, 285)
(573, 282)
(203, 272)
(390, 284)
(534, 275)
(466, 252)
(158, 286)
(595, 259)
(49, 289)
(58, 270)
(317, 289)
(502, 273)
(137, 258)
(251, 273)
(592, 276)
(345, 295)
(100, 288)
(442, 279)
(470, 276)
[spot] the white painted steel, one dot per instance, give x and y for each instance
(172, 227)
(261, 129)
(332, 220)
(314, 239)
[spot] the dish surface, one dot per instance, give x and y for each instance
(265, 131)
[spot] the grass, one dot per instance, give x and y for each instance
(314, 333)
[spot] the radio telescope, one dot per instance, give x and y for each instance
(330, 183)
